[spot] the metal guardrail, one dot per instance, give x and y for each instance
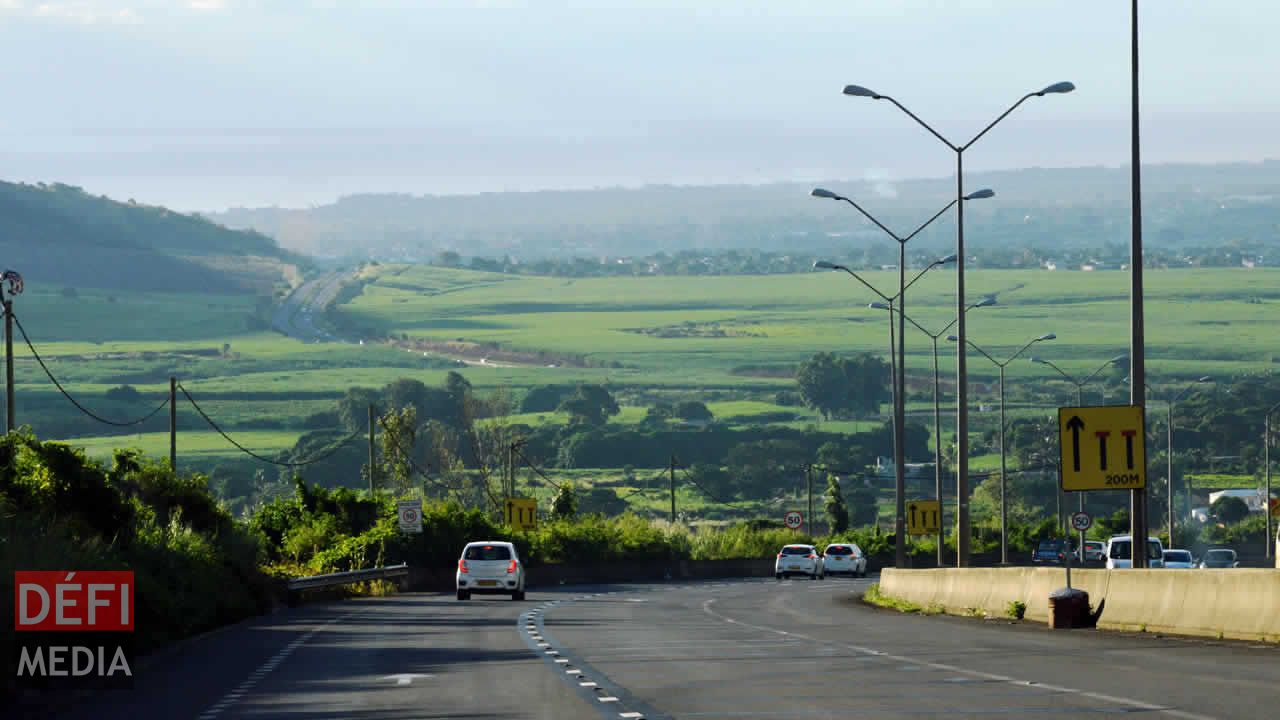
(353, 576)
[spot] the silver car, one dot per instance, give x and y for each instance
(490, 567)
(844, 559)
(1175, 559)
(799, 560)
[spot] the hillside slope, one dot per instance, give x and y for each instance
(60, 235)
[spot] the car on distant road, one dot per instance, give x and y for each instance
(1120, 552)
(1095, 551)
(844, 559)
(1175, 559)
(1050, 551)
(490, 567)
(798, 560)
(1219, 558)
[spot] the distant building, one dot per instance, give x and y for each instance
(1049, 265)
(1251, 497)
(885, 468)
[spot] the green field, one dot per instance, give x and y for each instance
(671, 337)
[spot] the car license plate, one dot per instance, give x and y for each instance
(793, 567)
(488, 583)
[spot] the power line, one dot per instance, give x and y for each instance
(70, 398)
(281, 463)
(708, 493)
(516, 449)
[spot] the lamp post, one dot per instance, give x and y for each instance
(962, 410)
(900, 369)
(1266, 452)
(1004, 500)
(937, 422)
(1080, 402)
(899, 389)
(1169, 453)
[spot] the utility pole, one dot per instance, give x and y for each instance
(808, 477)
(673, 488)
(1137, 341)
(173, 424)
(8, 365)
(373, 467)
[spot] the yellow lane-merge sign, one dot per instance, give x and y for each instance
(521, 513)
(1103, 448)
(924, 517)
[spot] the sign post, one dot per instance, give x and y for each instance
(409, 513)
(793, 519)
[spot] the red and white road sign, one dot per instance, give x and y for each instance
(1081, 521)
(794, 520)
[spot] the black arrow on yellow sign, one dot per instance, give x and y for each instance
(1076, 425)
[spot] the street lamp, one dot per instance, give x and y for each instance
(962, 410)
(898, 365)
(937, 423)
(1168, 421)
(1079, 402)
(1266, 503)
(1004, 500)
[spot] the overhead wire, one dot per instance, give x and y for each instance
(409, 458)
(106, 421)
(281, 463)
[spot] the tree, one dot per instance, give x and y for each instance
(693, 411)
(543, 398)
(399, 435)
(458, 387)
(590, 405)
(124, 394)
(837, 512)
(821, 380)
(862, 502)
(565, 504)
(353, 408)
(1229, 510)
(658, 415)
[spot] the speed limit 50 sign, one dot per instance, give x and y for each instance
(794, 520)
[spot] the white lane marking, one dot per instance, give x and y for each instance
(607, 698)
(562, 661)
(265, 669)
(1128, 702)
(635, 715)
(406, 678)
(587, 683)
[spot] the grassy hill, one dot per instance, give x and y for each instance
(59, 235)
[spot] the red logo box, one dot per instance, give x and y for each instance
(73, 600)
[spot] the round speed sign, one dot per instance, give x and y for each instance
(1081, 521)
(794, 520)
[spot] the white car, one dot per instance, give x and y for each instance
(490, 567)
(1120, 552)
(1179, 559)
(798, 560)
(844, 559)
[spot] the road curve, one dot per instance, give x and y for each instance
(734, 649)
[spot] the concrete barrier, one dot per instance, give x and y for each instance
(1241, 604)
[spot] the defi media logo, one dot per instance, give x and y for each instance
(73, 626)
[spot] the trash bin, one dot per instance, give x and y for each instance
(1068, 608)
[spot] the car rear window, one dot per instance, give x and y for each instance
(797, 551)
(488, 552)
(839, 550)
(1052, 544)
(1219, 555)
(1120, 550)
(1180, 556)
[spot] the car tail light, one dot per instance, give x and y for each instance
(779, 555)
(813, 557)
(462, 566)
(511, 567)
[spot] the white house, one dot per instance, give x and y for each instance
(1251, 497)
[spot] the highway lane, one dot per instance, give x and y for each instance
(406, 656)
(733, 649)
(804, 649)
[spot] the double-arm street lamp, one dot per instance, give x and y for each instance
(1079, 402)
(937, 422)
(1168, 423)
(1004, 500)
(899, 369)
(895, 362)
(962, 411)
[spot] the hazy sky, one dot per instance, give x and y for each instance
(212, 103)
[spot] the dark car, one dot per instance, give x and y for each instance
(1051, 552)
(1219, 558)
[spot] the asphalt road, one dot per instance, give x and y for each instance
(295, 316)
(734, 649)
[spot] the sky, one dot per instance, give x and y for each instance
(209, 104)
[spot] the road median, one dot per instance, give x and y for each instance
(1242, 604)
